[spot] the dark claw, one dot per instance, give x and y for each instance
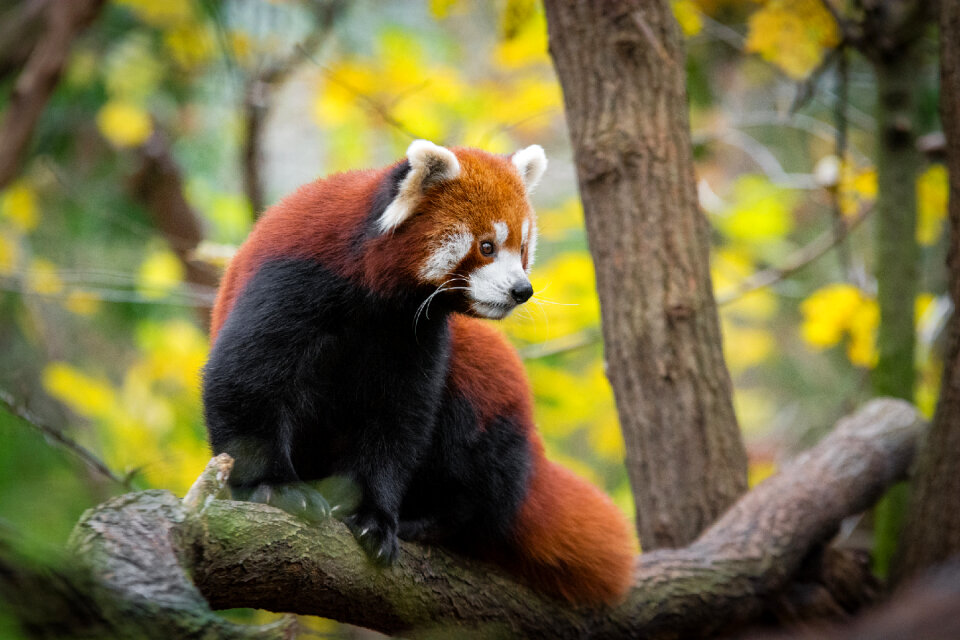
(377, 537)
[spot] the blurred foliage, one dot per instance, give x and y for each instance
(102, 334)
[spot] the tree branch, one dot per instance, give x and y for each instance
(62, 440)
(801, 258)
(795, 262)
(35, 84)
(156, 556)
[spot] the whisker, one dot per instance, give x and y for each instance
(546, 317)
(426, 303)
(561, 304)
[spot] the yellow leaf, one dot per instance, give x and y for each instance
(928, 386)
(132, 70)
(525, 41)
(516, 14)
(760, 470)
(43, 278)
(862, 349)
(441, 8)
(240, 44)
(827, 313)
(560, 222)
(837, 310)
(191, 45)
(932, 193)
(565, 300)
(124, 124)
(160, 13)
(18, 204)
(81, 302)
(86, 396)
(760, 211)
(755, 409)
(922, 305)
(160, 273)
(792, 34)
(336, 102)
(745, 347)
(174, 353)
(688, 16)
(856, 188)
(81, 69)
(729, 268)
(9, 255)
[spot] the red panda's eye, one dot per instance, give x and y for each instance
(486, 248)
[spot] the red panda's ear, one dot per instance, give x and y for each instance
(530, 162)
(430, 164)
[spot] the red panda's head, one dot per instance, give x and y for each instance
(464, 222)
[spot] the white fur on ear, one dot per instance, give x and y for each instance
(530, 162)
(429, 165)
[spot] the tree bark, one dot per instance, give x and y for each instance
(932, 530)
(158, 561)
(621, 66)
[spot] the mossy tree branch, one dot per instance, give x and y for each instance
(159, 561)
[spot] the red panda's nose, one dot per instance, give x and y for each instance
(521, 291)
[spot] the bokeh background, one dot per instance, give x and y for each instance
(178, 121)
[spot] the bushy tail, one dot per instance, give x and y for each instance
(572, 540)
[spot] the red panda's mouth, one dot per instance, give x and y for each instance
(493, 310)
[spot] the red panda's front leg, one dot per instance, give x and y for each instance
(390, 441)
(375, 523)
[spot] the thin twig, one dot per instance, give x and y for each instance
(840, 114)
(848, 28)
(808, 87)
(372, 105)
(563, 344)
(62, 440)
(800, 259)
(759, 280)
(761, 156)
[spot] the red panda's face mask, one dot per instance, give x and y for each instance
(469, 216)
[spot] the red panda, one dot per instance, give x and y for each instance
(346, 342)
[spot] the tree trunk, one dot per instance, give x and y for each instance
(889, 37)
(897, 253)
(621, 66)
(897, 261)
(932, 530)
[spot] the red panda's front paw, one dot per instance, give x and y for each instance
(377, 536)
